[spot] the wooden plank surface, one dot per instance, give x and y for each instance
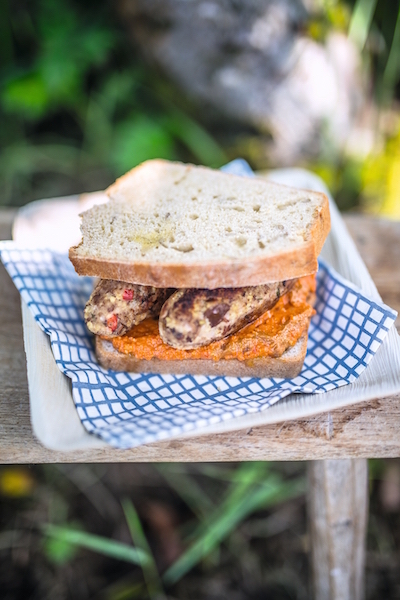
(368, 429)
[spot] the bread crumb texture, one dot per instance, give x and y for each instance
(170, 212)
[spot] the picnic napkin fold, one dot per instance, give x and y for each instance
(127, 409)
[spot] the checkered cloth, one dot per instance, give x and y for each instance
(127, 409)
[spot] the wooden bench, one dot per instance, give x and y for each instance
(338, 443)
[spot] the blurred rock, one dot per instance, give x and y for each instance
(251, 61)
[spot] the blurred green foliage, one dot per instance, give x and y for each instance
(374, 27)
(368, 179)
(249, 488)
(59, 550)
(254, 486)
(126, 531)
(380, 177)
(70, 536)
(78, 107)
(75, 100)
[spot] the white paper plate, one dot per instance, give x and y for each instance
(54, 418)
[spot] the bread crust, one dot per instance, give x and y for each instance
(233, 273)
(287, 366)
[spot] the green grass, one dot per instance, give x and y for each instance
(251, 487)
(110, 548)
(255, 488)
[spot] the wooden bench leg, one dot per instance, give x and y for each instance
(338, 513)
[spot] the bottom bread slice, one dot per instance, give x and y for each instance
(286, 366)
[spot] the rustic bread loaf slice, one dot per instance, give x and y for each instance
(175, 225)
(286, 366)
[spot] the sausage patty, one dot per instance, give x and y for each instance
(191, 318)
(115, 306)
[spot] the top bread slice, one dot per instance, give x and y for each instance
(169, 224)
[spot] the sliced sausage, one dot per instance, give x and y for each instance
(115, 306)
(191, 318)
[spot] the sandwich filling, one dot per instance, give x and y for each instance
(270, 335)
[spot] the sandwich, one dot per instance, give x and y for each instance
(201, 272)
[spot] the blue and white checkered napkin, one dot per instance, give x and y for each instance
(127, 409)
